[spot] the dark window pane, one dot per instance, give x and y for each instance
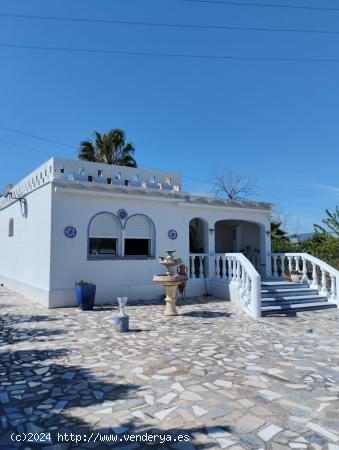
(137, 247)
(102, 247)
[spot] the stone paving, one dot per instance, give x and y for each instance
(212, 373)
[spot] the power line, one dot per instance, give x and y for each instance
(265, 5)
(34, 136)
(167, 25)
(173, 55)
(23, 146)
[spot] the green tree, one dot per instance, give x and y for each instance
(108, 148)
(331, 221)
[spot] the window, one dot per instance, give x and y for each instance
(137, 247)
(11, 227)
(103, 236)
(139, 236)
(102, 246)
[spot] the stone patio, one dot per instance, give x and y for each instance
(212, 373)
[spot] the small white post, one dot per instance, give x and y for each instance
(282, 259)
(314, 284)
(323, 282)
(304, 278)
(289, 264)
(333, 289)
(201, 267)
(275, 271)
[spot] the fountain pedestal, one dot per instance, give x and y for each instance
(170, 280)
(170, 284)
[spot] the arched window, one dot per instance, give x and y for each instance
(104, 236)
(139, 236)
(11, 227)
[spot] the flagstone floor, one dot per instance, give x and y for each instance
(211, 373)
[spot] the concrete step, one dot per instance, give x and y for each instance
(282, 285)
(294, 308)
(287, 292)
(293, 300)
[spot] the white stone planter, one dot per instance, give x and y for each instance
(296, 278)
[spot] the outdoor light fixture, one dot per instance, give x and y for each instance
(268, 233)
(211, 230)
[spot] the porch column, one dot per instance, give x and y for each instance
(211, 251)
(265, 248)
(238, 238)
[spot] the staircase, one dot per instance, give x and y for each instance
(281, 297)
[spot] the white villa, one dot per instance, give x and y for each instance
(71, 220)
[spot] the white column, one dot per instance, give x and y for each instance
(275, 271)
(193, 267)
(333, 289)
(201, 267)
(304, 278)
(323, 282)
(296, 260)
(229, 267)
(223, 267)
(314, 283)
(265, 250)
(289, 264)
(210, 251)
(282, 259)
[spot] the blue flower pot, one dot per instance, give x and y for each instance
(85, 296)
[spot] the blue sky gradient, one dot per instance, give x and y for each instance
(276, 122)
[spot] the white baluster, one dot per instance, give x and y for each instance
(229, 266)
(243, 281)
(289, 264)
(333, 289)
(275, 271)
(323, 282)
(248, 288)
(216, 265)
(296, 259)
(191, 266)
(233, 270)
(238, 273)
(201, 267)
(304, 278)
(282, 259)
(314, 284)
(223, 273)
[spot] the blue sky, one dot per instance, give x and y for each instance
(276, 122)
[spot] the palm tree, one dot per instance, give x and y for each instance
(109, 148)
(277, 232)
(332, 223)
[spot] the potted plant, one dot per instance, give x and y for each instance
(85, 294)
(296, 276)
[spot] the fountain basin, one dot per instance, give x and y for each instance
(170, 280)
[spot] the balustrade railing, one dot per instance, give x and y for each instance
(198, 263)
(318, 274)
(238, 271)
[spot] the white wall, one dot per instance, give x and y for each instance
(25, 257)
(249, 236)
(124, 277)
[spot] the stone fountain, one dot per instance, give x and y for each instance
(170, 280)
